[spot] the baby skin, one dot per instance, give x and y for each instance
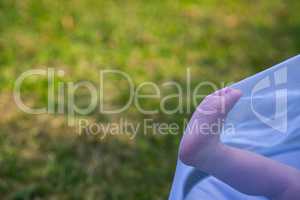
(247, 172)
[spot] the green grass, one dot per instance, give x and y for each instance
(42, 158)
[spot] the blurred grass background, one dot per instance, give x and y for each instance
(41, 158)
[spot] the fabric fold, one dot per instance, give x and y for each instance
(266, 120)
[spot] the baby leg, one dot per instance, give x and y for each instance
(245, 171)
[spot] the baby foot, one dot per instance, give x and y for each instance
(201, 139)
